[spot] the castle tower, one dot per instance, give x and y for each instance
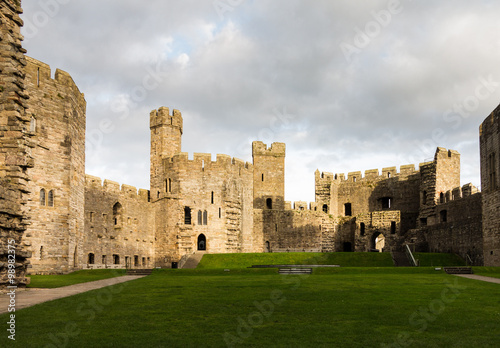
(489, 141)
(268, 175)
(166, 134)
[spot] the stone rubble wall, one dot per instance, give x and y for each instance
(15, 146)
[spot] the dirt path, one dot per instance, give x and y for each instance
(478, 277)
(32, 296)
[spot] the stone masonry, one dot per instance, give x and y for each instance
(15, 148)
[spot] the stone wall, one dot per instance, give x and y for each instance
(457, 228)
(56, 202)
(15, 148)
(119, 226)
(490, 184)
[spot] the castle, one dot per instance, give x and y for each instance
(64, 220)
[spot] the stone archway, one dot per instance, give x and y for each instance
(202, 242)
(377, 242)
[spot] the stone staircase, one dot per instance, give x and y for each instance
(193, 260)
(458, 270)
(139, 272)
(400, 259)
(295, 270)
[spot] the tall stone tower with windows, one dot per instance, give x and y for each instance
(268, 175)
(166, 134)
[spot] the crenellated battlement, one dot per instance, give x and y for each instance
(458, 193)
(203, 162)
(39, 75)
(276, 149)
(369, 175)
(162, 117)
(109, 186)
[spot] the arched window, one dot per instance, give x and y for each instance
(116, 259)
(325, 208)
(42, 197)
(269, 203)
(187, 216)
(200, 218)
(50, 198)
(205, 217)
(441, 197)
(117, 214)
(268, 247)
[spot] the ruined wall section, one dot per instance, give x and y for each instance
(358, 194)
(490, 184)
(217, 195)
(371, 225)
(457, 227)
(15, 146)
(119, 226)
(57, 109)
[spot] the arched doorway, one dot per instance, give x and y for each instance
(267, 247)
(202, 242)
(377, 242)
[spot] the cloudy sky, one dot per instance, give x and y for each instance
(347, 85)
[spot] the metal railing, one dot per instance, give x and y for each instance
(409, 254)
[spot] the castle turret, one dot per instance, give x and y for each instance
(490, 172)
(268, 175)
(166, 134)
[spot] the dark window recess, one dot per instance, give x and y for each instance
(393, 227)
(116, 259)
(424, 198)
(212, 198)
(362, 228)
(91, 259)
(347, 209)
(444, 215)
(205, 217)
(423, 221)
(187, 216)
(386, 202)
(325, 208)
(200, 217)
(269, 203)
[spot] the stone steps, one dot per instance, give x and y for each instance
(400, 259)
(136, 272)
(193, 260)
(458, 270)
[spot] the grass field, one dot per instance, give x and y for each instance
(342, 259)
(339, 307)
(56, 281)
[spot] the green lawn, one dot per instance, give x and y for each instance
(438, 259)
(487, 271)
(56, 281)
(342, 259)
(339, 307)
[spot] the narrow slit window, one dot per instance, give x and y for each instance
(205, 217)
(212, 198)
(50, 198)
(200, 218)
